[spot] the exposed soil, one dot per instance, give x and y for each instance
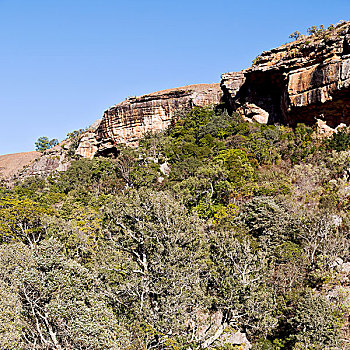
(10, 164)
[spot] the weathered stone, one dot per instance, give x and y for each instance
(324, 129)
(165, 169)
(53, 159)
(123, 123)
(301, 81)
(88, 144)
(126, 122)
(230, 85)
(236, 338)
(306, 81)
(252, 113)
(346, 268)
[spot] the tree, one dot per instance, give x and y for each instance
(79, 229)
(314, 30)
(43, 143)
(53, 143)
(296, 35)
(160, 265)
(267, 220)
(21, 220)
(239, 284)
(240, 165)
(315, 323)
(10, 319)
(62, 305)
(73, 139)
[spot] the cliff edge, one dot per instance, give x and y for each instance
(307, 80)
(126, 122)
(304, 81)
(301, 81)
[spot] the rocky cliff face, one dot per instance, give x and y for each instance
(307, 80)
(301, 81)
(53, 159)
(127, 121)
(88, 143)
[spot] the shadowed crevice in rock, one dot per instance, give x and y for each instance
(346, 45)
(266, 91)
(108, 152)
(299, 82)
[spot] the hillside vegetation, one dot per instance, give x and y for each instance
(212, 227)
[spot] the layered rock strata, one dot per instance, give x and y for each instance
(88, 144)
(307, 81)
(126, 122)
(301, 81)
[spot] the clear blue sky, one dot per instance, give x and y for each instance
(63, 62)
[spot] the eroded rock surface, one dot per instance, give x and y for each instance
(88, 144)
(301, 81)
(306, 81)
(126, 122)
(53, 159)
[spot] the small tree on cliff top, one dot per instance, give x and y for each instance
(296, 35)
(44, 143)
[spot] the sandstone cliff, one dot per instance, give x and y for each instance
(127, 121)
(123, 123)
(88, 143)
(307, 81)
(301, 81)
(53, 159)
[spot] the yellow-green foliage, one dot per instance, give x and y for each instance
(21, 220)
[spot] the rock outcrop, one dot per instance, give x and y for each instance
(88, 144)
(54, 159)
(126, 122)
(307, 81)
(301, 81)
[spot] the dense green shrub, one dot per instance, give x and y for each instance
(339, 141)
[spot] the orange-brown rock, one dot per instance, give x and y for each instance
(307, 80)
(301, 81)
(126, 122)
(88, 144)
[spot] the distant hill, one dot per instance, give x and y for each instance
(10, 164)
